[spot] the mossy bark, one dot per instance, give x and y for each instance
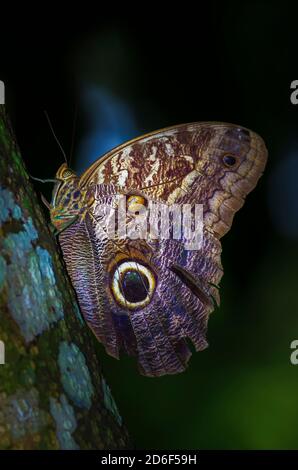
(52, 392)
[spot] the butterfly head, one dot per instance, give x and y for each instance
(65, 173)
(68, 199)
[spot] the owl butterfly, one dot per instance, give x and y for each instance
(148, 297)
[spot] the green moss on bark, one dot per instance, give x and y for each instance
(52, 393)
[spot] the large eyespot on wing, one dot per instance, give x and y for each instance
(133, 284)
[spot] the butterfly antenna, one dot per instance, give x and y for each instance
(55, 137)
(73, 133)
(48, 180)
(45, 202)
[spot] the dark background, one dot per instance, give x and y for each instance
(126, 75)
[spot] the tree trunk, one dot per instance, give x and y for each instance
(52, 392)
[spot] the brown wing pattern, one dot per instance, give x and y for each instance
(185, 163)
(213, 164)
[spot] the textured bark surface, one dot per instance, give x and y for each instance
(52, 392)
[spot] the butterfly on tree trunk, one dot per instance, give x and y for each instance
(148, 297)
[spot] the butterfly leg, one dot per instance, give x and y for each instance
(67, 224)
